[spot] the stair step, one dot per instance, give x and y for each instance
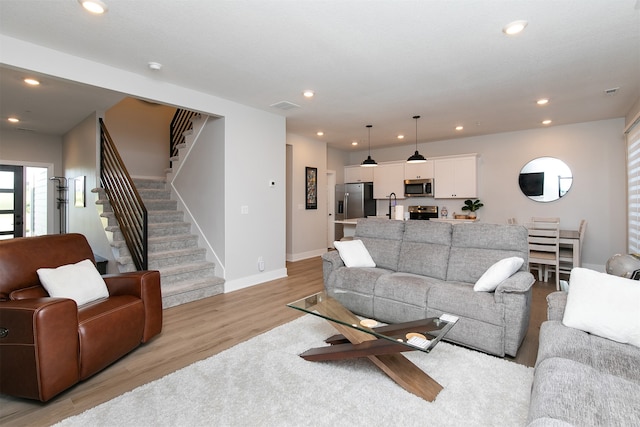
(142, 183)
(155, 230)
(150, 194)
(159, 260)
(181, 273)
(188, 291)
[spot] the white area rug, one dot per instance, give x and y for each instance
(263, 382)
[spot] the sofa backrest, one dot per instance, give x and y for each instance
(382, 238)
(425, 248)
(476, 247)
(20, 258)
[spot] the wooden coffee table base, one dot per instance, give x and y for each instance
(383, 353)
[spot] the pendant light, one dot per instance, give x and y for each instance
(416, 157)
(369, 162)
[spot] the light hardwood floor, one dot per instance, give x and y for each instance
(200, 329)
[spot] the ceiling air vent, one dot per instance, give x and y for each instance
(285, 105)
(611, 91)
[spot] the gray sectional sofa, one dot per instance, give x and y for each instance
(582, 379)
(427, 268)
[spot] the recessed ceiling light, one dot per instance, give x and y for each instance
(155, 66)
(94, 6)
(308, 93)
(542, 101)
(13, 119)
(400, 136)
(459, 127)
(354, 143)
(320, 133)
(32, 82)
(514, 27)
(546, 122)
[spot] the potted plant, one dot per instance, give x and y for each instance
(472, 207)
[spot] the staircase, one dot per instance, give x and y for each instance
(185, 274)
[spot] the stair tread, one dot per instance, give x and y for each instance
(175, 269)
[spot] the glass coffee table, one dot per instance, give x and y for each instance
(382, 344)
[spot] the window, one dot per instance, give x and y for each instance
(633, 187)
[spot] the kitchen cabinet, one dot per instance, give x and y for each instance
(358, 174)
(456, 177)
(388, 178)
(418, 170)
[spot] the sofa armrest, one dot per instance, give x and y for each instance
(39, 347)
(520, 282)
(556, 302)
(330, 261)
(146, 286)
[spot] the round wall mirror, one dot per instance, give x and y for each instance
(545, 179)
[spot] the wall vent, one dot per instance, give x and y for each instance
(611, 91)
(285, 105)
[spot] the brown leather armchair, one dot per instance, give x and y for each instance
(49, 344)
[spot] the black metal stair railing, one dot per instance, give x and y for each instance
(180, 123)
(125, 200)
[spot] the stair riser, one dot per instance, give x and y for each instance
(168, 279)
(151, 194)
(174, 244)
(159, 232)
(156, 264)
(153, 218)
(189, 296)
(149, 184)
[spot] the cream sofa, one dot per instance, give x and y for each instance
(427, 268)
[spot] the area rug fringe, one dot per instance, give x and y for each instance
(263, 382)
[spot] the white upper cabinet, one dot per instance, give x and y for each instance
(418, 170)
(456, 178)
(358, 174)
(388, 178)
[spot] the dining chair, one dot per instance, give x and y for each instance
(544, 247)
(566, 252)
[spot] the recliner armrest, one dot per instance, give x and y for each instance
(556, 302)
(146, 286)
(520, 282)
(39, 352)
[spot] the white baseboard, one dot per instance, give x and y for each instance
(305, 255)
(256, 279)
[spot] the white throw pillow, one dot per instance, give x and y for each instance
(604, 305)
(354, 253)
(81, 282)
(498, 272)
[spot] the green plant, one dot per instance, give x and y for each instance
(472, 206)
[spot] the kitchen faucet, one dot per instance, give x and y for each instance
(395, 201)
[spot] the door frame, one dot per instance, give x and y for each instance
(331, 207)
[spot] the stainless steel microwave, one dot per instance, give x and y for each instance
(418, 188)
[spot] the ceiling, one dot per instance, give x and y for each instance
(368, 62)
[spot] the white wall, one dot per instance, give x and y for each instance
(254, 153)
(80, 158)
(34, 149)
(307, 227)
(140, 131)
(595, 153)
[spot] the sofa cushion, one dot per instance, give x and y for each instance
(382, 238)
(425, 248)
(354, 253)
(461, 300)
(604, 355)
(498, 272)
(80, 281)
(582, 396)
(616, 301)
(476, 247)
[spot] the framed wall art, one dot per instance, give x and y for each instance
(78, 191)
(311, 187)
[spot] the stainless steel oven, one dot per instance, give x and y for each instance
(423, 212)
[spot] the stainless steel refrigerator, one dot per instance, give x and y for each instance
(353, 201)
